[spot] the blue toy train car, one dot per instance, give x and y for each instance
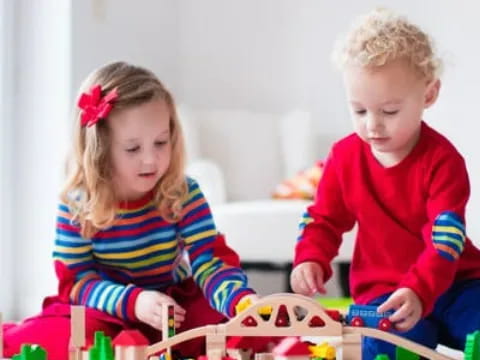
(367, 316)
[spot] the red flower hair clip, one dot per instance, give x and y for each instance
(94, 106)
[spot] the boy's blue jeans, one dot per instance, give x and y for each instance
(455, 315)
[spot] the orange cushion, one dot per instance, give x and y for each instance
(303, 185)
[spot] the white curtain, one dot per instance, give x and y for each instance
(6, 132)
(41, 124)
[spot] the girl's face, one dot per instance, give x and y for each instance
(140, 148)
(386, 105)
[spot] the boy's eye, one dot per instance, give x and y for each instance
(393, 112)
(133, 149)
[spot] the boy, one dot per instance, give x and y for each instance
(405, 185)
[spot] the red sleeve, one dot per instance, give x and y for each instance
(444, 233)
(324, 222)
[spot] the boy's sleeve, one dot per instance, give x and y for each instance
(444, 233)
(324, 222)
(222, 284)
(79, 281)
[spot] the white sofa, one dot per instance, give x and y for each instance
(266, 230)
(238, 157)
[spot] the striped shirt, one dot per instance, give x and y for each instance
(143, 251)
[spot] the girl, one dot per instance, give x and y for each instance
(133, 232)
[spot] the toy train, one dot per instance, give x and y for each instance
(367, 316)
(358, 315)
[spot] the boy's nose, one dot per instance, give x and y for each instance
(373, 123)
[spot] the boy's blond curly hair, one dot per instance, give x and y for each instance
(89, 190)
(381, 37)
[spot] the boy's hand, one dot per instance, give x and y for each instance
(408, 308)
(307, 279)
(149, 306)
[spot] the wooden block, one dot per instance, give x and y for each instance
(77, 326)
(216, 344)
(352, 347)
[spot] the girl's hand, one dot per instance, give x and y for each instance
(408, 308)
(307, 279)
(149, 309)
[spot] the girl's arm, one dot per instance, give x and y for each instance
(222, 284)
(79, 281)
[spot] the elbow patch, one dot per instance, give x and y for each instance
(306, 219)
(449, 235)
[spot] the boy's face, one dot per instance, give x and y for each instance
(140, 148)
(387, 104)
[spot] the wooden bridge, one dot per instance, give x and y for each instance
(305, 317)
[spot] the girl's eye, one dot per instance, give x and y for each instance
(390, 112)
(161, 143)
(133, 149)
(360, 112)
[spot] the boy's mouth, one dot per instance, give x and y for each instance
(378, 139)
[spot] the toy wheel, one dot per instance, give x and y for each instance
(357, 321)
(385, 324)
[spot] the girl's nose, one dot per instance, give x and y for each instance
(148, 157)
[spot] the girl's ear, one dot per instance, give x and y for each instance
(431, 94)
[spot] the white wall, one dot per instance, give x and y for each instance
(457, 29)
(112, 30)
(42, 98)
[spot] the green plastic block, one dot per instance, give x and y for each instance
(31, 352)
(102, 348)
(472, 346)
(404, 354)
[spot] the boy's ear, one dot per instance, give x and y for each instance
(431, 94)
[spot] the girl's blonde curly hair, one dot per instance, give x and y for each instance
(89, 190)
(381, 37)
